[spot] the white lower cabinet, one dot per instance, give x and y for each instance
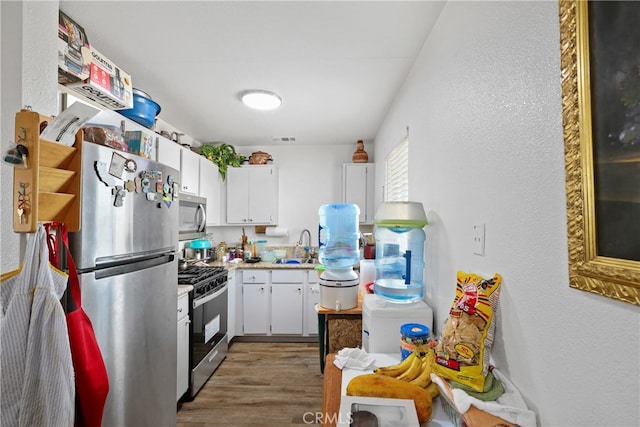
(312, 298)
(231, 304)
(286, 309)
(183, 346)
(255, 301)
(273, 303)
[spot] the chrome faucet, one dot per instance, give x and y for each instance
(302, 235)
(300, 246)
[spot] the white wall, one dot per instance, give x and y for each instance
(483, 103)
(28, 77)
(309, 176)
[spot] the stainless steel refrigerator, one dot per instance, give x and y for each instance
(125, 253)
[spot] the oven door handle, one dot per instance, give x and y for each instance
(198, 302)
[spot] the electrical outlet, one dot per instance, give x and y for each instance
(478, 239)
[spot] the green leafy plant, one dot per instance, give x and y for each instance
(223, 155)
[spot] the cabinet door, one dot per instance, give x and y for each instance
(262, 197)
(183, 351)
(189, 171)
(358, 181)
(237, 196)
(168, 153)
(231, 305)
(210, 187)
(286, 309)
(310, 314)
(255, 301)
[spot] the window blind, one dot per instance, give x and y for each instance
(397, 173)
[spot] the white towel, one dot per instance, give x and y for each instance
(353, 358)
(510, 406)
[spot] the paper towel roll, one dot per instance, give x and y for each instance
(367, 271)
(276, 232)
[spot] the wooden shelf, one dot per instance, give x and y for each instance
(54, 180)
(49, 189)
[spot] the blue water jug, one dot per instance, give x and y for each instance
(338, 235)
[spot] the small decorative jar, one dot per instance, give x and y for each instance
(360, 156)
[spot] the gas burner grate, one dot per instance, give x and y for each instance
(196, 275)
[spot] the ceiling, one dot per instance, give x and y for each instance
(336, 65)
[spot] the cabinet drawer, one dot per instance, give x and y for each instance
(313, 276)
(287, 276)
(254, 276)
(183, 306)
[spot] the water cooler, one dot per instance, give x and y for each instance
(338, 237)
(399, 277)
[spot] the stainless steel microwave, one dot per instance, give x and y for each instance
(193, 217)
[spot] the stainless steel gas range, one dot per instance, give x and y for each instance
(208, 341)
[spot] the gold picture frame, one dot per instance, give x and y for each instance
(612, 277)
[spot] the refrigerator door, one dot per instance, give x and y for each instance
(133, 316)
(113, 234)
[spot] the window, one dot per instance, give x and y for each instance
(397, 173)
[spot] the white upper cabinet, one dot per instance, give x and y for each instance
(358, 182)
(211, 187)
(252, 195)
(168, 152)
(189, 171)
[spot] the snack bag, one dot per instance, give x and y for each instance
(462, 354)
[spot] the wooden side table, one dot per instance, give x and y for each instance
(331, 391)
(338, 329)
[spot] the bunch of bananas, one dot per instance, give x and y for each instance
(415, 369)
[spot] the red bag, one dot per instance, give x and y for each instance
(92, 382)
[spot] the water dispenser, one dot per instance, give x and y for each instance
(338, 239)
(399, 258)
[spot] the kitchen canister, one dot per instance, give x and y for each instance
(412, 337)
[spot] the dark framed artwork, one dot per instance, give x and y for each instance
(600, 60)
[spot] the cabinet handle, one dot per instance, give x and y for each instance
(299, 290)
(180, 310)
(262, 290)
(187, 322)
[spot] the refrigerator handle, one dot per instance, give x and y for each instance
(203, 218)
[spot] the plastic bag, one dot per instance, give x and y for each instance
(463, 351)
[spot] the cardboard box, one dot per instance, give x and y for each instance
(139, 143)
(74, 51)
(107, 84)
(389, 412)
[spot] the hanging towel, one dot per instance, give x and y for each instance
(37, 381)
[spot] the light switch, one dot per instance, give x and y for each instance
(478, 239)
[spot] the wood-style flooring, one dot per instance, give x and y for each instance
(259, 384)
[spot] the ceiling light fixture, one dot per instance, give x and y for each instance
(261, 99)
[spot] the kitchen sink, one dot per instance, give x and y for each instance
(296, 261)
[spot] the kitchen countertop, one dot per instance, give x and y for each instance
(183, 289)
(261, 266)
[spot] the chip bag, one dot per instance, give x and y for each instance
(463, 351)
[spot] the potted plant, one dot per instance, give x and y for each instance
(223, 155)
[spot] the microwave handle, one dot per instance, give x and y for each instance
(203, 218)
